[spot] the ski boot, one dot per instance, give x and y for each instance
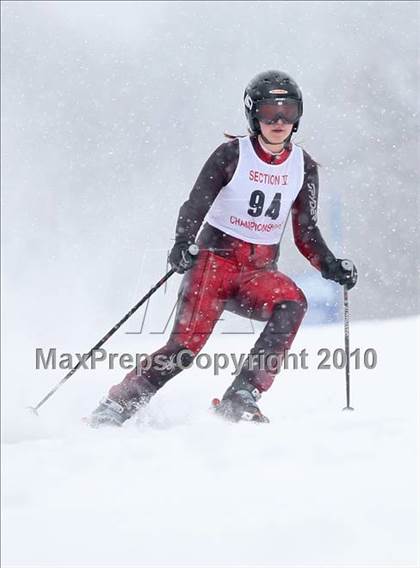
(111, 412)
(240, 406)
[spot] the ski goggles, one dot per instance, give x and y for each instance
(270, 111)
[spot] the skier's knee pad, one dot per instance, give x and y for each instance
(289, 313)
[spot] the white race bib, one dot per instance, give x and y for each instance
(255, 204)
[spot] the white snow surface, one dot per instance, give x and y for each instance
(317, 487)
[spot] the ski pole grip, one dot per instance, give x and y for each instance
(347, 265)
(193, 250)
(188, 256)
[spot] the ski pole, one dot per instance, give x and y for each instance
(192, 250)
(349, 266)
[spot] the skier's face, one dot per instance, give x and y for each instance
(276, 133)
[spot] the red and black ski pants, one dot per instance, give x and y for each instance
(242, 279)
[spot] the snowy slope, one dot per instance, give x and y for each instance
(316, 488)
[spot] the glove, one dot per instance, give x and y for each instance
(340, 270)
(183, 256)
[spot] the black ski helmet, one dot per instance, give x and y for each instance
(270, 85)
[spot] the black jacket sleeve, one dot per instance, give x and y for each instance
(216, 173)
(307, 235)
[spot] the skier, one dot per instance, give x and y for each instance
(247, 189)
